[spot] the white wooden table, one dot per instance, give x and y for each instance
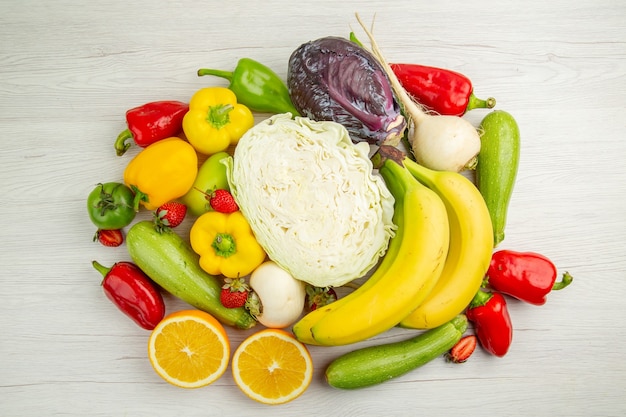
(70, 69)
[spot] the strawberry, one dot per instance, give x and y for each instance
(169, 214)
(318, 297)
(234, 292)
(223, 201)
(462, 350)
(111, 238)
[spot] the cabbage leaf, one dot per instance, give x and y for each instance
(312, 199)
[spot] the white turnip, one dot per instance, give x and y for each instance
(281, 295)
(439, 142)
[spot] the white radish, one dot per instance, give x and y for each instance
(439, 142)
(281, 295)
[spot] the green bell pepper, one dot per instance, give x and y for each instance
(257, 87)
(211, 176)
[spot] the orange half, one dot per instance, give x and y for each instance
(189, 349)
(272, 367)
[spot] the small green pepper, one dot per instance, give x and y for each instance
(211, 176)
(257, 87)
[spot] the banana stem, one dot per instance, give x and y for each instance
(385, 152)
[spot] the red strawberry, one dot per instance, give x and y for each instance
(169, 214)
(462, 350)
(111, 238)
(234, 293)
(223, 201)
(318, 297)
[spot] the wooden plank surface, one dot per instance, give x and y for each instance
(68, 72)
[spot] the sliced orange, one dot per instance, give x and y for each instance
(272, 367)
(189, 349)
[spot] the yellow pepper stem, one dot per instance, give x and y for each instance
(224, 245)
(218, 116)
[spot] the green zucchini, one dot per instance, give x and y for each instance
(170, 262)
(497, 166)
(376, 364)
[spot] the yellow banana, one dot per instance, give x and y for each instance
(411, 267)
(302, 329)
(471, 246)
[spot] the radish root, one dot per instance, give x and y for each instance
(412, 110)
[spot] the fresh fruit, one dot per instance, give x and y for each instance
(133, 292)
(333, 78)
(527, 276)
(211, 176)
(170, 262)
(234, 292)
(317, 297)
(379, 363)
(151, 122)
(317, 209)
(170, 214)
(280, 295)
(110, 206)
(471, 245)
(189, 349)
(489, 314)
(215, 120)
(497, 166)
(256, 86)
(226, 244)
(223, 201)
(161, 172)
(462, 350)
(272, 367)
(408, 272)
(111, 238)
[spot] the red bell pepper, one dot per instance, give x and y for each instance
(130, 289)
(527, 276)
(489, 314)
(443, 91)
(151, 122)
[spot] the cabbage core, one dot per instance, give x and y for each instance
(311, 199)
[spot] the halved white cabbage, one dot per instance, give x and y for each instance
(312, 199)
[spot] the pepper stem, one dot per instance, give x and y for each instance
(480, 299)
(219, 116)
(564, 282)
(218, 73)
(224, 245)
(101, 268)
(478, 103)
(120, 143)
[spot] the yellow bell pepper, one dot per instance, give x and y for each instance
(226, 244)
(161, 172)
(215, 120)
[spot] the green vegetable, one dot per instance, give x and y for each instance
(110, 206)
(170, 262)
(312, 208)
(497, 166)
(256, 86)
(211, 176)
(376, 364)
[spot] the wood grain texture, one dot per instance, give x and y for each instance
(68, 72)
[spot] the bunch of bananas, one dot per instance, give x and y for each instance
(434, 264)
